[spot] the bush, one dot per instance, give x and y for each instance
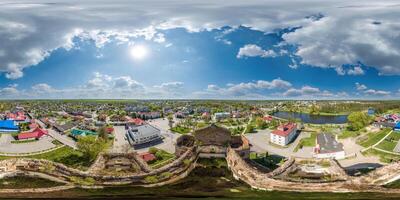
(151, 179)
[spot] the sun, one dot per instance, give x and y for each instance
(138, 52)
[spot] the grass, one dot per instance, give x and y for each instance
(306, 142)
(373, 138)
(22, 182)
(383, 157)
(270, 161)
(349, 134)
(180, 129)
(162, 156)
(65, 155)
(390, 142)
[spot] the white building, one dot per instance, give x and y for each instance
(284, 134)
(328, 147)
(143, 134)
(221, 115)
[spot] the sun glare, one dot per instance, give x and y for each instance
(138, 52)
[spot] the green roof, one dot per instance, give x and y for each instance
(78, 132)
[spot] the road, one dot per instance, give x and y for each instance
(120, 143)
(260, 142)
(42, 144)
(58, 136)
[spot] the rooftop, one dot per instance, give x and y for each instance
(326, 143)
(285, 129)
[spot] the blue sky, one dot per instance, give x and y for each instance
(291, 57)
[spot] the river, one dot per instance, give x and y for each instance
(312, 119)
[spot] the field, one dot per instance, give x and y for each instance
(20, 182)
(64, 155)
(390, 142)
(307, 142)
(373, 138)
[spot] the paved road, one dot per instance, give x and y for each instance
(260, 142)
(42, 144)
(120, 143)
(58, 136)
(62, 138)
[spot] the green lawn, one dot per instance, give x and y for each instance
(22, 182)
(348, 134)
(180, 129)
(306, 142)
(383, 157)
(162, 156)
(390, 142)
(64, 155)
(373, 138)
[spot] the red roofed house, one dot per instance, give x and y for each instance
(146, 156)
(284, 134)
(268, 118)
(19, 116)
(32, 134)
(137, 121)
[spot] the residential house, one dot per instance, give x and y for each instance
(284, 134)
(328, 147)
(32, 134)
(8, 126)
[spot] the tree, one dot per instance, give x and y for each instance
(260, 123)
(90, 146)
(249, 128)
(358, 120)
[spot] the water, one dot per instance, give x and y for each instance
(313, 119)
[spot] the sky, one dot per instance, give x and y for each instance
(199, 49)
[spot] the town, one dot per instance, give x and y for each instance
(318, 146)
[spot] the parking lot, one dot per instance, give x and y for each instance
(167, 143)
(42, 144)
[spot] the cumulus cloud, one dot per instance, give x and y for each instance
(330, 33)
(377, 92)
(346, 36)
(360, 86)
(252, 50)
(357, 70)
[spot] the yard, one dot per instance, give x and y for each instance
(373, 138)
(181, 130)
(306, 142)
(383, 157)
(162, 157)
(390, 142)
(270, 161)
(64, 155)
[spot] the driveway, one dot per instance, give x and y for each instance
(62, 138)
(120, 143)
(260, 142)
(42, 144)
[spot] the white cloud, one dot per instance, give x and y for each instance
(357, 70)
(360, 86)
(252, 50)
(376, 92)
(347, 34)
(42, 88)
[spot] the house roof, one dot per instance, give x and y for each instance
(35, 133)
(147, 156)
(78, 132)
(8, 124)
(397, 126)
(284, 129)
(326, 143)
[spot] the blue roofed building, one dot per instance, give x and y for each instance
(371, 111)
(397, 127)
(8, 126)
